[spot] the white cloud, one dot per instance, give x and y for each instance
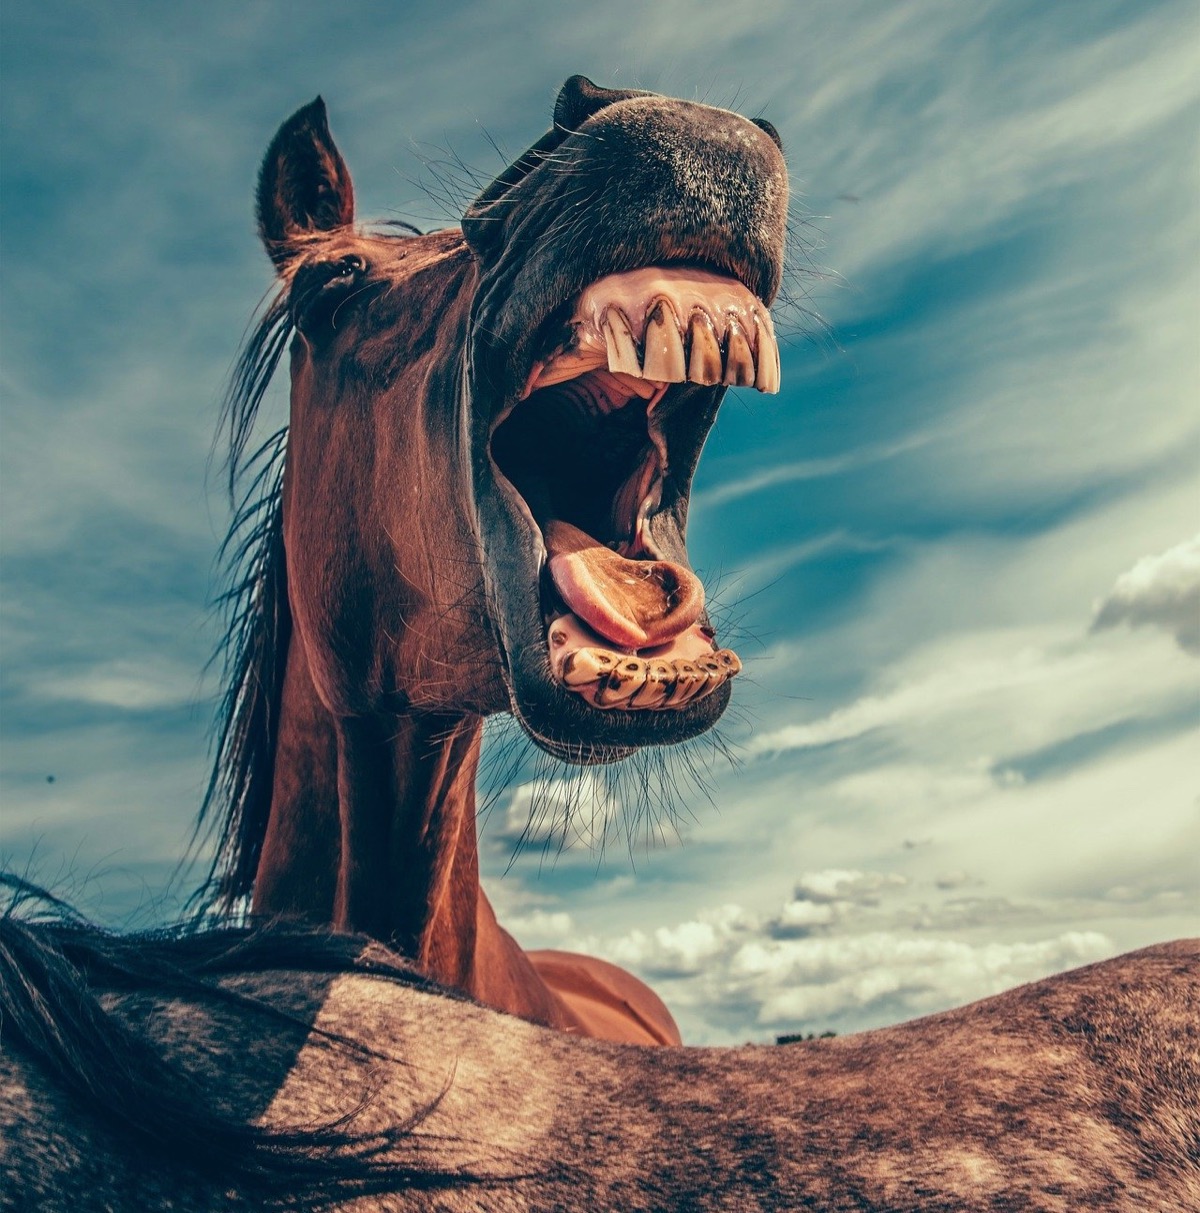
(953, 677)
(986, 694)
(539, 928)
(805, 914)
(809, 982)
(1160, 591)
(686, 948)
(840, 885)
(728, 965)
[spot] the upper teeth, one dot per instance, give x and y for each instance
(706, 352)
(669, 326)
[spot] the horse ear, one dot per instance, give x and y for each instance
(303, 185)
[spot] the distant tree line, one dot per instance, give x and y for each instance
(794, 1038)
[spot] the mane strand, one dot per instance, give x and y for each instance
(257, 628)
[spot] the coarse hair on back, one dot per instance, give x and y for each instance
(54, 970)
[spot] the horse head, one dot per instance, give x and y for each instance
(494, 434)
(483, 509)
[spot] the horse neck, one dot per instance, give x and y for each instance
(409, 868)
(372, 827)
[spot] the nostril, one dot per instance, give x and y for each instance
(580, 99)
(764, 125)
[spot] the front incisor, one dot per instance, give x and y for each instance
(767, 378)
(660, 676)
(687, 681)
(618, 339)
(704, 361)
(664, 346)
(620, 686)
(587, 665)
(739, 361)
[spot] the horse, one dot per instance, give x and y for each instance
(479, 506)
(281, 1066)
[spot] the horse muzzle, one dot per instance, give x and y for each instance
(626, 268)
(598, 450)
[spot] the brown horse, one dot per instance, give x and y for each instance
(247, 1070)
(482, 509)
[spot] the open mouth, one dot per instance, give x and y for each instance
(600, 446)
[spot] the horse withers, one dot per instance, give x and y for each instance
(289, 1068)
(481, 509)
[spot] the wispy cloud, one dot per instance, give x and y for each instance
(1015, 689)
(806, 469)
(974, 137)
(122, 684)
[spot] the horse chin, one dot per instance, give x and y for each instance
(570, 730)
(609, 646)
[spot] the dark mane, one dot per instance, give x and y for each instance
(257, 625)
(54, 968)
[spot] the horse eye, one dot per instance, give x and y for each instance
(320, 289)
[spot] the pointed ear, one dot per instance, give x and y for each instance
(303, 185)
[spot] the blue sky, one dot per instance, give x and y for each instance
(957, 551)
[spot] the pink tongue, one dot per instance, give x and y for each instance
(635, 604)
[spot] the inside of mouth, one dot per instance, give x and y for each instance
(584, 450)
(577, 452)
(583, 457)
